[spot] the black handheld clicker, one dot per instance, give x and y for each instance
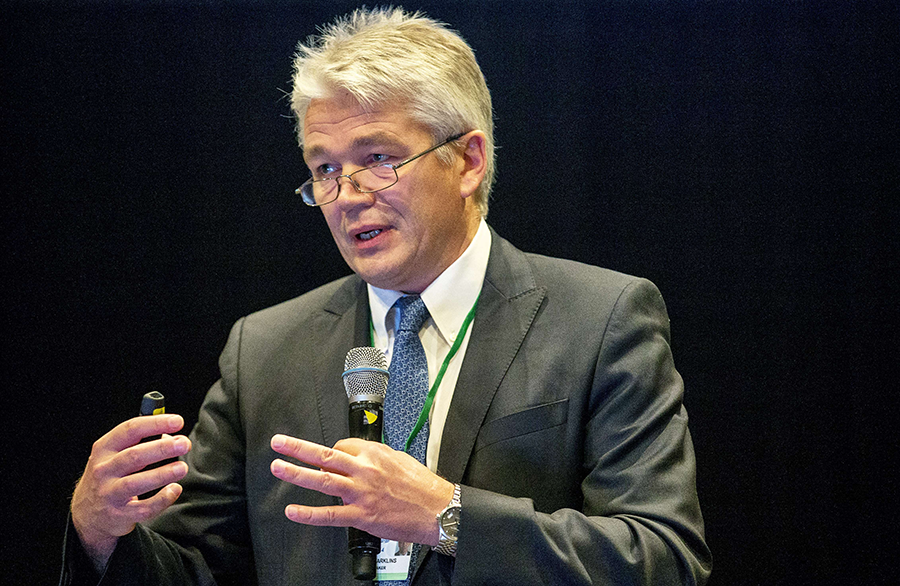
(153, 403)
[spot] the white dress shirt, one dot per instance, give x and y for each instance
(449, 299)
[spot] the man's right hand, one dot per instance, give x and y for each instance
(105, 505)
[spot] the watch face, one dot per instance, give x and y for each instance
(450, 521)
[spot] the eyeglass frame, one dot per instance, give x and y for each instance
(357, 187)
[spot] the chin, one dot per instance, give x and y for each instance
(377, 278)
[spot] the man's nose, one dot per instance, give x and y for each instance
(350, 194)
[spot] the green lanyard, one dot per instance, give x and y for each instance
(426, 408)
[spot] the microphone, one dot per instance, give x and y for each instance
(365, 380)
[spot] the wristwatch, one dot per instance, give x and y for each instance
(448, 523)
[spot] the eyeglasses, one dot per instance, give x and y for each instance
(318, 192)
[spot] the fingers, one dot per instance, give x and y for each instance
(337, 467)
(322, 481)
(328, 479)
(340, 516)
(140, 510)
(314, 454)
(105, 508)
(105, 504)
(124, 490)
(385, 492)
(99, 526)
(129, 433)
(140, 456)
(333, 477)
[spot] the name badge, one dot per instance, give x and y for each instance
(393, 560)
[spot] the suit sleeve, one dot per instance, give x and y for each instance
(203, 539)
(640, 521)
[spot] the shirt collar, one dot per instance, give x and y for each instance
(449, 297)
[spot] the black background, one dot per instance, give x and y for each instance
(742, 155)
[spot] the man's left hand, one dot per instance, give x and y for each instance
(385, 492)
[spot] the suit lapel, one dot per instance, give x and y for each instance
(341, 325)
(509, 301)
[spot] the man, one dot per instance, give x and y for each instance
(555, 431)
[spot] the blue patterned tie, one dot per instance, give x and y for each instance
(407, 389)
(408, 384)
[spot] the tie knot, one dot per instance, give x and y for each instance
(413, 313)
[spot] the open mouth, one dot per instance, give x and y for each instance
(369, 234)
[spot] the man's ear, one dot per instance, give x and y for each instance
(474, 163)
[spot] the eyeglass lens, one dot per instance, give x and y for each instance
(366, 180)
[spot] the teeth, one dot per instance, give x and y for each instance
(369, 235)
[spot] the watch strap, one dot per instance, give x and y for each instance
(447, 544)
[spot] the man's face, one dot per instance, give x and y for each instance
(403, 237)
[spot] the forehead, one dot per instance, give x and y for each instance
(341, 122)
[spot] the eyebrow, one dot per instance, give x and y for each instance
(375, 139)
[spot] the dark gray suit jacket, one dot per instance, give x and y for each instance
(566, 430)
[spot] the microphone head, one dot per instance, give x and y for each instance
(365, 374)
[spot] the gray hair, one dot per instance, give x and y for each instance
(386, 54)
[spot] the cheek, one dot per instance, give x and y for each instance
(432, 204)
(333, 220)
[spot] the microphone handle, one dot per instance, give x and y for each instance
(366, 422)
